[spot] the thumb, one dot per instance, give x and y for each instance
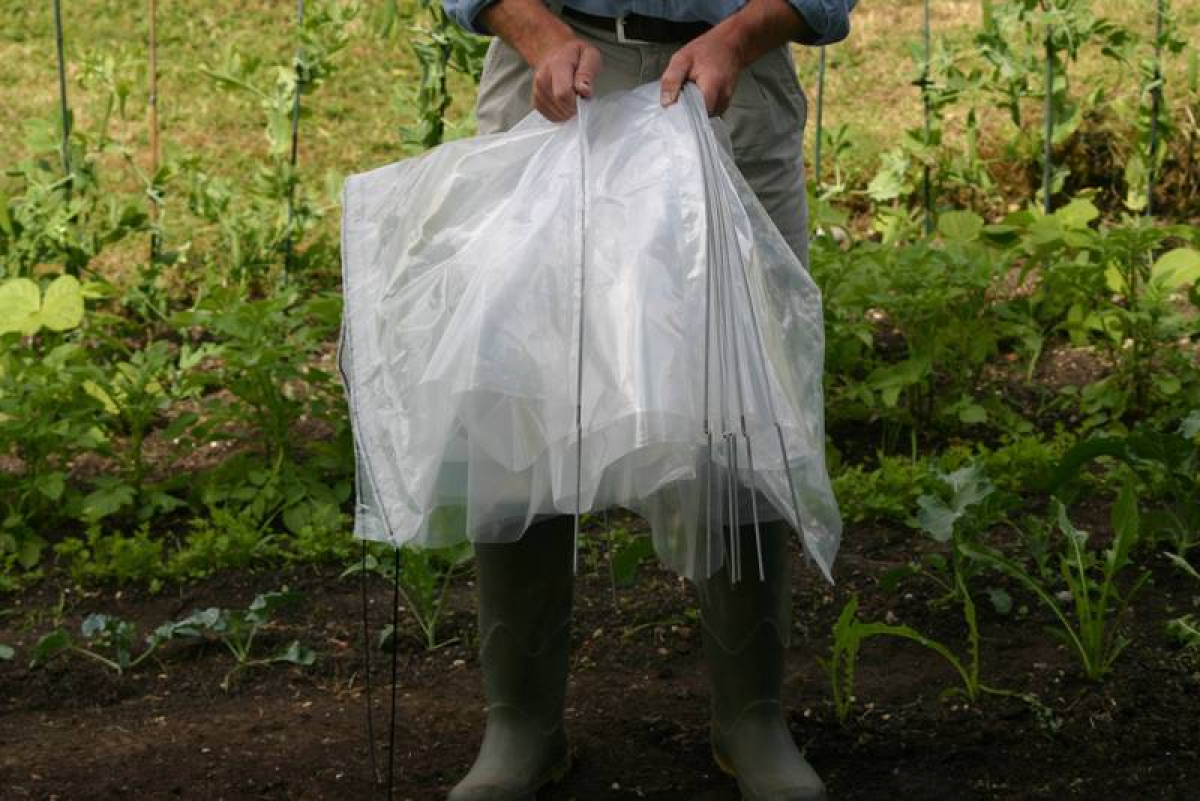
(674, 76)
(590, 62)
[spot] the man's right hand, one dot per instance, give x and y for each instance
(566, 70)
(564, 66)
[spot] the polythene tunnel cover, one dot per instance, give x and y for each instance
(568, 317)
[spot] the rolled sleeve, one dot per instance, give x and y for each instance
(829, 20)
(466, 13)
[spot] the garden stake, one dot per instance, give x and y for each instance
(926, 189)
(367, 670)
(291, 202)
(1049, 113)
(820, 120)
(579, 352)
(1156, 99)
(64, 111)
(391, 782)
(152, 104)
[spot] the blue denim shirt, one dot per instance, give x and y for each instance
(828, 19)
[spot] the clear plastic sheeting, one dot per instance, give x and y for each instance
(569, 317)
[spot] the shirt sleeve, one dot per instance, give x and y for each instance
(465, 13)
(829, 20)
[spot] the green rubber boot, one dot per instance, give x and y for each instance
(525, 592)
(746, 628)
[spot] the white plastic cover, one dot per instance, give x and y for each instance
(568, 317)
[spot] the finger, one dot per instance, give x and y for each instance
(674, 76)
(590, 63)
(717, 97)
(562, 87)
(541, 97)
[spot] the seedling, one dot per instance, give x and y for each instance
(237, 629)
(1090, 629)
(106, 634)
(425, 576)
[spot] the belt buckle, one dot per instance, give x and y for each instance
(622, 38)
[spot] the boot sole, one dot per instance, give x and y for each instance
(556, 775)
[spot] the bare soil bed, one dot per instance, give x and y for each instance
(637, 700)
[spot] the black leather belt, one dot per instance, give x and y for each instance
(637, 28)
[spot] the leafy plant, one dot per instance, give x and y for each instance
(1168, 466)
(105, 634)
(424, 577)
(237, 629)
(848, 635)
(1091, 626)
(1187, 627)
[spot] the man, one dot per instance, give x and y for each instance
(544, 58)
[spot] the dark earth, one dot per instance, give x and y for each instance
(637, 698)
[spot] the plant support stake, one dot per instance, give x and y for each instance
(1156, 100)
(1047, 146)
(820, 120)
(64, 110)
(152, 107)
(291, 202)
(926, 189)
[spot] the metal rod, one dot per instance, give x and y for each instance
(152, 107)
(1156, 101)
(367, 669)
(926, 188)
(820, 121)
(299, 89)
(391, 782)
(63, 108)
(1047, 146)
(580, 121)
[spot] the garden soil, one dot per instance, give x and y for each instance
(637, 698)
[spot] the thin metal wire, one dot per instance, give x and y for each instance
(739, 380)
(291, 202)
(152, 108)
(391, 782)
(820, 121)
(1156, 101)
(927, 186)
(1047, 145)
(367, 669)
(579, 120)
(63, 107)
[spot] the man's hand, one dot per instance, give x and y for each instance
(715, 60)
(566, 70)
(564, 66)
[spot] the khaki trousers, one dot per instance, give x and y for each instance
(764, 122)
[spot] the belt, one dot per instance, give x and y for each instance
(639, 29)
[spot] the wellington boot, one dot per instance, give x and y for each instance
(746, 627)
(525, 592)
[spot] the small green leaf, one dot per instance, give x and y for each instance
(960, 226)
(6, 652)
(936, 518)
(627, 557)
(297, 654)
(62, 308)
(1078, 213)
(49, 645)
(101, 394)
(1176, 268)
(972, 413)
(20, 302)
(1001, 600)
(51, 485)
